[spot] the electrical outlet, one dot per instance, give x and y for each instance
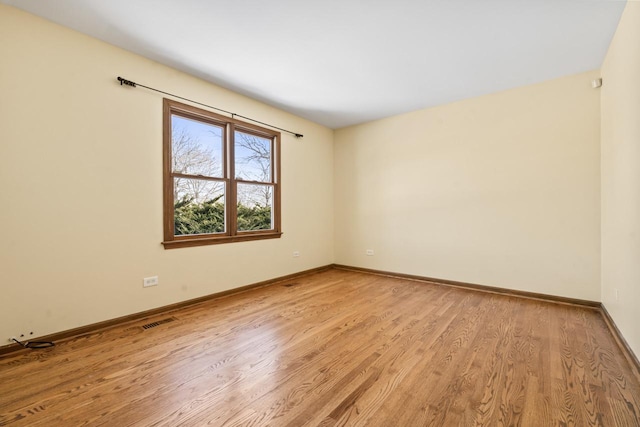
(22, 337)
(150, 281)
(296, 254)
(369, 252)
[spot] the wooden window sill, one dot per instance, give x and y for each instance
(203, 241)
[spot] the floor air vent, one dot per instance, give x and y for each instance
(158, 323)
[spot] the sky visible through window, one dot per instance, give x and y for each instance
(205, 139)
(208, 139)
(197, 150)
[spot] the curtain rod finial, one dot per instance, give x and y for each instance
(126, 82)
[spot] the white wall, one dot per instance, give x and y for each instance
(500, 190)
(621, 176)
(81, 186)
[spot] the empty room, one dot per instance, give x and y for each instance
(305, 213)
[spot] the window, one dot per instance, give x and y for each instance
(221, 178)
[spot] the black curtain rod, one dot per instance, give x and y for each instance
(233, 115)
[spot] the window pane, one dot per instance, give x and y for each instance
(196, 147)
(255, 207)
(198, 206)
(253, 157)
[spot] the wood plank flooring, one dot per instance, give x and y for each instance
(332, 349)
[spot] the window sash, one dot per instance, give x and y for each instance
(271, 169)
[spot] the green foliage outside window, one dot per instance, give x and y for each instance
(208, 217)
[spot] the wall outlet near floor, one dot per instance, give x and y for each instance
(22, 337)
(150, 281)
(369, 252)
(296, 254)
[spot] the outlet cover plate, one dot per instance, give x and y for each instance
(150, 281)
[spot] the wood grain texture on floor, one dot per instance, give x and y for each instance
(332, 349)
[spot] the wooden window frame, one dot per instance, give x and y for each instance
(230, 125)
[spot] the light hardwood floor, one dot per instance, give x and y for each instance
(334, 348)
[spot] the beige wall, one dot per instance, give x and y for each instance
(81, 186)
(621, 177)
(499, 190)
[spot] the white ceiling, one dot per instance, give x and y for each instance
(342, 62)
